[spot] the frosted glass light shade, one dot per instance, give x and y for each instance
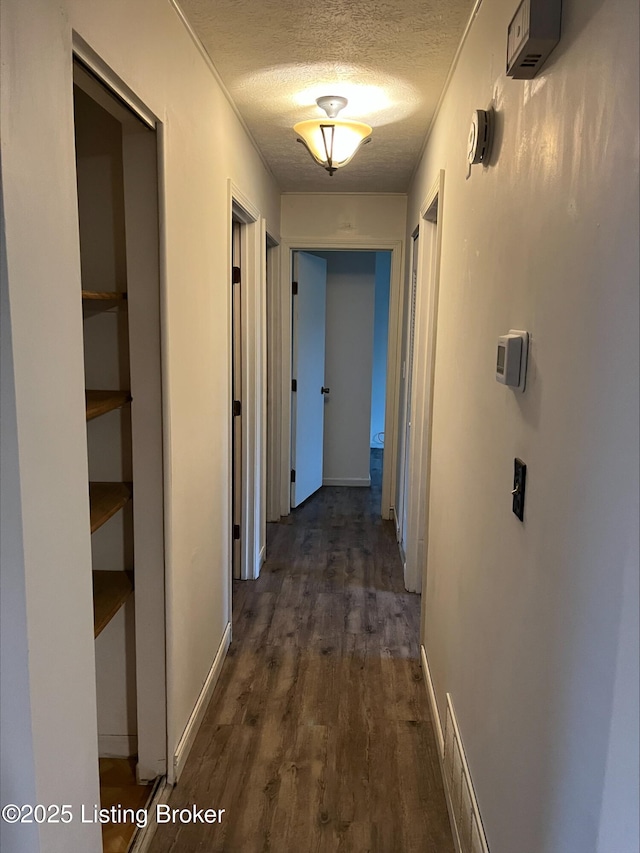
(332, 142)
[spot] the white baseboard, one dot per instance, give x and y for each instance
(191, 729)
(363, 482)
(144, 836)
(437, 726)
(433, 705)
(461, 794)
(117, 746)
(462, 805)
(411, 583)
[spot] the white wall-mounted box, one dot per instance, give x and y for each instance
(531, 36)
(511, 359)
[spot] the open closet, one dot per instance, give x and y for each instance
(117, 180)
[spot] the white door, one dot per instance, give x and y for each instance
(307, 372)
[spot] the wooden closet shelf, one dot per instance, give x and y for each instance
(105, 500)
(94, 302)
(110, 591)
(101, 402)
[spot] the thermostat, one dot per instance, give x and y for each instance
(511, 358)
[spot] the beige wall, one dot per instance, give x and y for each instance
(523, 622)
(529, 627)
(343, 216)
(145, 44)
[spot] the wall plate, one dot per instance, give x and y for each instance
(519, 484)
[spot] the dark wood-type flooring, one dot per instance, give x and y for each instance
(318, 737)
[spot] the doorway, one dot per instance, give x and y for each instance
(340, 330)
(248, 405)
(407, 394)
(236, 393)
(119, 241)
(427, 276)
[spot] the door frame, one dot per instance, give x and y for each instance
(253, 358)
(148, 349)
(420, 449)
(272, 379)
(409, 328)
(282, 369)
(236, 394)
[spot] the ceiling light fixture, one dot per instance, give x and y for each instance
(332, 143)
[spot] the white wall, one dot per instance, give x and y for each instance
(348, 367)
(380, 341)
(17, 770)
(100, 195)
(528, 626)
(619, 817)
(116, 685)
(203, 145)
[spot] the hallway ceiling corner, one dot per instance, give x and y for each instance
(389, 59)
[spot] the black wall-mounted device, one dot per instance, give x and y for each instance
(519, 482)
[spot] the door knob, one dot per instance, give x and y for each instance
(324, 390)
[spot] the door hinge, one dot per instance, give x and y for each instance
(236, 531)
(293, 475)
(237, 408)
(294, 287)
(294, 384)
(235, 275)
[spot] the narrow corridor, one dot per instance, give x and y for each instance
(318, 737)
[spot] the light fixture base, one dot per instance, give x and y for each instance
(331, 104)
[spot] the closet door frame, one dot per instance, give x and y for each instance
(143, 162)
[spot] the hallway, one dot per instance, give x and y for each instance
(318, 736)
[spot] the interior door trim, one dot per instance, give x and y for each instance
(396, 247)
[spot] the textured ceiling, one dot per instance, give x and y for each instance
(390, 59)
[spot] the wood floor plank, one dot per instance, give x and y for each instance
(239, 678)
(301, 775)
(255, 811)
(318, 737)
(256, 616)
(328, 618)
(387, 813)
(291, 622)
